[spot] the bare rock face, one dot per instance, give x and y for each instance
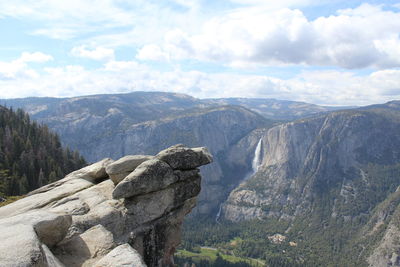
(145, 179)
(303, 160)
(121, 168)
(123, 255)
(179, 157)
(123, 213)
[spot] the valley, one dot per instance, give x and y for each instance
(320, 181)
(194, 133)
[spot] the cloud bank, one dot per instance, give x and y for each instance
(366, 36)
(227, 48)
(322, 87)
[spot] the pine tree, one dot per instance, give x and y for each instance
(41, 179)
(30, 154)
(23, 185)
(53, 177)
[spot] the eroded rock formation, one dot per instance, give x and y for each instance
(123, 213)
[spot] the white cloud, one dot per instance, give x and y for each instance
(366, 36)
(14, 70)
(18, 68)
(66, 19)
(38, 57)
(320, 87)
(273, 4)
(151, 52)
(56, 33)
(105, 23)
(188, 3)
(99, 53)
(254, 33)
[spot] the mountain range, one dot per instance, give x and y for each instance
(102, 126)
(324, 180)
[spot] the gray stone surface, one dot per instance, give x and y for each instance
(95, 172)
(121, 256)
(184, 158)
(150, 176)
(151, 206)
(87, 248)
(50, 228)
(78, 222)
(184, 175)
(63, 189)
(20, 246)
(51, 260)
(119, 169)
(46, 195)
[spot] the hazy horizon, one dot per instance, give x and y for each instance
(205, 98)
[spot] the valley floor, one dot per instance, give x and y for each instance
(213, 256)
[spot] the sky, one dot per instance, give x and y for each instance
(329, 52)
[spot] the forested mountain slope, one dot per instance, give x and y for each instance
(30, 154)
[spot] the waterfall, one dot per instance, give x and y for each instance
(255, 165)
(257, 157)
(219, 213)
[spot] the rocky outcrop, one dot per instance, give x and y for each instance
(123, 255)
(217, 129)
(144, 123)
(87, 219)
(119, 169)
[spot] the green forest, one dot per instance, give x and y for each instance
(30, 154)
(316, 238)
(248, 239)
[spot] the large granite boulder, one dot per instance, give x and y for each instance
(180, 157)
(87, 219)
(20, 245)
(121, 168)
(87, 248)
(123, 256)
(152, 175)
(157, 174)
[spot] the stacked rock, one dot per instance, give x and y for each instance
(112, 213)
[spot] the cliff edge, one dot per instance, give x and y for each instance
(112, 213)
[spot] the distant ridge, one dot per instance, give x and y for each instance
(268, 107)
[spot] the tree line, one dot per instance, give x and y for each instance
(30, 154)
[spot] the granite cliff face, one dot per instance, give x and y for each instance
(303, 159)
(334, 176)
(112, 213)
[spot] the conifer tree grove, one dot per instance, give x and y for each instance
(30, 154)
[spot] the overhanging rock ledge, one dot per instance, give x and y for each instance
(112, 213)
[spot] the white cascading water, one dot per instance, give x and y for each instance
(257, 157)
(255, 165)
(219, 213)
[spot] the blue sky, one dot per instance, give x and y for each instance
(333, 52)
